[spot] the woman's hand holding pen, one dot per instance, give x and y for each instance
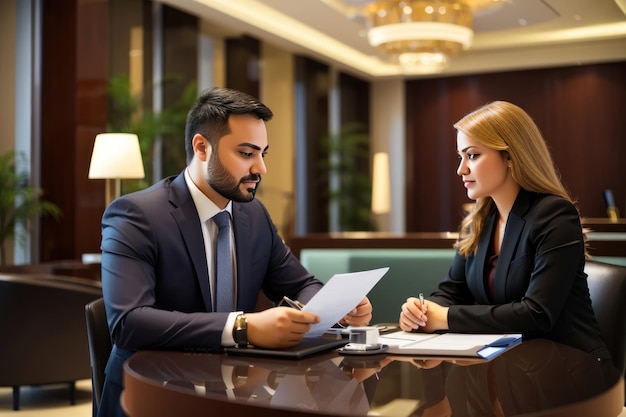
(419, 313)
(413, 314)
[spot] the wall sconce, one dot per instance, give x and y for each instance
(381, 185)
(115, 156)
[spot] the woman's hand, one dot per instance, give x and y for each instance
(429, 317)
(413, 315)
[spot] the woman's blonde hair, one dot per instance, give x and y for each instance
(507, 128)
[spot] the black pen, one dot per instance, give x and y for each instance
(293, 304)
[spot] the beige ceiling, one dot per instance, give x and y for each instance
(520, 34)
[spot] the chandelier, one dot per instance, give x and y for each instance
(421, 35)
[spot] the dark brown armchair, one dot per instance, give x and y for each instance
(100, 346)
(607, 287)
(42, 322)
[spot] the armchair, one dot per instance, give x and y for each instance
(43, 326)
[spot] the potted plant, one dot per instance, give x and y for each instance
(126, 114)
(347, 159)
(19, 201)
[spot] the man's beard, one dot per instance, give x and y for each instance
(227, 185)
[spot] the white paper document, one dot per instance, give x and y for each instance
(449, 344)
(339, 296)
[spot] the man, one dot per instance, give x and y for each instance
(158, 250)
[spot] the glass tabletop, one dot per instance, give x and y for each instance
(538, 377)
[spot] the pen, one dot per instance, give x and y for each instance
(421, 297)
(293, 304)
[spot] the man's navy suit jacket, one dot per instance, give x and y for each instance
(155, 276)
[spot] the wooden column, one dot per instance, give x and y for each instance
(73, 111)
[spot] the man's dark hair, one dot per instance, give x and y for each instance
(210, 113)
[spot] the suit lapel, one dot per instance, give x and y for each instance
(514, 227)
(186, 216)
(481, 257)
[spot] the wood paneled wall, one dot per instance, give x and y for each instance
(76, 66)
(355, 100)
(313, 80)
(73, 111)
(242, 64)
(580, 111)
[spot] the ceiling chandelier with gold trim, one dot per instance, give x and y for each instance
(420, 35)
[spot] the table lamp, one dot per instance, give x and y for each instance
(115, 156)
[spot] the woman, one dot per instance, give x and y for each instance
(521, 250)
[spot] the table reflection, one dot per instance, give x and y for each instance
(533, 377)
(315, 384)
(536, 377)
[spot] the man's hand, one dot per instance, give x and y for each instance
(279, 327)
(360, 315)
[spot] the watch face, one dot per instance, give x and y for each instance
(241, 321)
(241, 330)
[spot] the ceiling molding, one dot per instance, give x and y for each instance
(563, 32)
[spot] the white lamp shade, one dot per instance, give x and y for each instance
(116, 155)
(381, 193)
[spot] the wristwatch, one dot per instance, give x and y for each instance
(240, 331)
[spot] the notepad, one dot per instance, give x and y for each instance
(484, 346)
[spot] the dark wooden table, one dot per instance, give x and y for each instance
(538, 378)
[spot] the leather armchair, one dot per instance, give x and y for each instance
(607, 288)
(42, 318)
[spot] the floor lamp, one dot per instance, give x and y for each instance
(116, 156)
(381, 184)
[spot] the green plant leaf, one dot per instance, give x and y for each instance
(20, 203)
(346, 153)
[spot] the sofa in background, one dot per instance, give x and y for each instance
(411, 271)
(42, 322)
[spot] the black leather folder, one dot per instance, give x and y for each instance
(307, 347)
